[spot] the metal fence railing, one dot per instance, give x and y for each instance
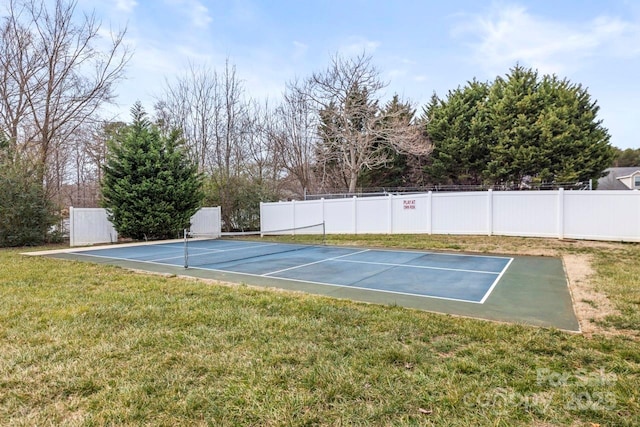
(383, 191)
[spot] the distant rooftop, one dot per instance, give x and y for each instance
(611, 181)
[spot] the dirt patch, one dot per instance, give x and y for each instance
(540, 247)
(590, 305)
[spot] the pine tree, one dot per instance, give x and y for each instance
(546, 129)
(519, 127)
(626, 158)
(150, 188)
(458, 130)
(26, 215)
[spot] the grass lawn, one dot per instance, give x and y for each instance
(84, 344)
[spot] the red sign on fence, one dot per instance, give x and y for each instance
(409, 204)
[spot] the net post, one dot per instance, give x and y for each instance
(324, 234)
(186, 250)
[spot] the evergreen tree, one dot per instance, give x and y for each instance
(459, 132)
(519, 127)
(26, 215)
(545, 129)
(626, 158)
(150, 188)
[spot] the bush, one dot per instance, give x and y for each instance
(26, 216)
(239, 198)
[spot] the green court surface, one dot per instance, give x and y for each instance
(526, 290)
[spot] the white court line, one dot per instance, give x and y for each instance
(486, 295)
(386, 291)
(125, 259)
(315, 262)
(419, 266)
(418, 251)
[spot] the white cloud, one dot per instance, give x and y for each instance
(358, 45)
(197, 13)
(126, 5)
(511, 34)
(200, 16)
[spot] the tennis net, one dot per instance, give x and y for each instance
(202, 249)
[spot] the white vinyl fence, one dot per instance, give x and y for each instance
(88, 226)
(207, 221)
(593, 215)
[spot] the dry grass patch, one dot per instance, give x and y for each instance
(591, 307)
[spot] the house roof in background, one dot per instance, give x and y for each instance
(611, 181)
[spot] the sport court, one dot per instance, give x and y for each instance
(528, 290)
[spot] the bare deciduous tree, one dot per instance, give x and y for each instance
(354, 130)
(192, 103)
(55, 77)
(293, 129)
(263, 163)
(210, 110)
(224, 133)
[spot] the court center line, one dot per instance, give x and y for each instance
(315, 262)
(420, 266)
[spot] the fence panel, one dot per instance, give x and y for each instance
(207, 221)
(340, 216)
(88, 226)
(307, 214)
(530, 213)
(276, 216)
(605, 215)
(459, 213)
(411, 213)
(372, 215)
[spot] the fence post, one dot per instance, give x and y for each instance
(490, 212)
(219, 211)
(429, 212)
(71, 227)
(561, 213)
(293, 216)
(390, 207)
(355, 215)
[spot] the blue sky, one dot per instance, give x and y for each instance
(419, 47)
